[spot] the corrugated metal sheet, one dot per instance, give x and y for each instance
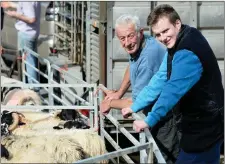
(208, 17)
(92, 65)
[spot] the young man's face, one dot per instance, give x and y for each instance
(129, 38)
(166, 32)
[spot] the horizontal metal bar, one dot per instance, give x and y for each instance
(36, 55)
(49, 85)
(67, 73)
(29, 76)
(115, 145)
(115, 154)
(40, 107)
(57, 98)
(28, 84)
(76, 96)
(122, 129)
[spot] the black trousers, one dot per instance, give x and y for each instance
(167, 137)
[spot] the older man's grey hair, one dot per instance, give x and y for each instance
(128, 19)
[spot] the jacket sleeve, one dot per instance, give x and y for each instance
(187, 70)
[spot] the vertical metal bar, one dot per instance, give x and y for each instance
(101, 117)
(194, 14)
(109, 59)
(82, 33)
(23, 66)
(91, 112)
(117, 141)
(150, 154)
(95, 109)
(116, 146)
(88, 43)
(109, 44)
(102, 42)
(72, 30)
(75, 33)
(143, 157)
(50, 78)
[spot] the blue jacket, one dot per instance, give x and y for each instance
(187, 71)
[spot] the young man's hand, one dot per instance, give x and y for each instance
(126, 112)
(105, 106)
(139, 125)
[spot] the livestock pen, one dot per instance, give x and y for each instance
(82, 102)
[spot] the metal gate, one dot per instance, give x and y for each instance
(69, 30)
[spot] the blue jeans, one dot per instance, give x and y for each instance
(212, 156)
(31, 43)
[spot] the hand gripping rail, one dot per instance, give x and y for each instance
(150, 146)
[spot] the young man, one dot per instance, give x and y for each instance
(193, 89)
(146, 55)
(28, 26)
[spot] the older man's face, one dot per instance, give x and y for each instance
(129, 38)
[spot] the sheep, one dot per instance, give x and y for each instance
(39, 127)
(38, 142)
(90, 143)
(65, 146)
(43, 149)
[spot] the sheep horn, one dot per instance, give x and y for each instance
(15, 123)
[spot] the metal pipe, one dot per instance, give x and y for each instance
(45, 106)
(115, 154)
(116, 146)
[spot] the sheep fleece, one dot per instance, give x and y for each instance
(50, 147)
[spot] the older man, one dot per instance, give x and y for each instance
(146, 55)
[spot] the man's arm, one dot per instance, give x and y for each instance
(123, 88)
(106, 104)
(21, 17)
(28, 16)
(121, 103)
(187, 70)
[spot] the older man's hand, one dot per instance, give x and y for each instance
(139, 125)
(12, 13)
(105, 106)
(126, 112)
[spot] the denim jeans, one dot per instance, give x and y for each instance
(211, 156)
(31, 43)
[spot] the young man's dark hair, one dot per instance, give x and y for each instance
(161, 11)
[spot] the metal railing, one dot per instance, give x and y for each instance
(89, 104)
(146, 149)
